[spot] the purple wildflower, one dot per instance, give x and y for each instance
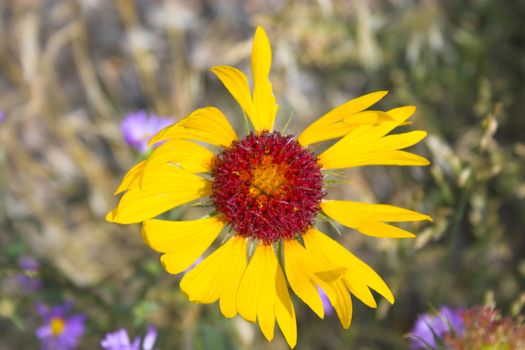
(120, 340)
(28, 263)
(427, 327)
(28, 282)
(138, 128)
(327, 306)
(60, 331)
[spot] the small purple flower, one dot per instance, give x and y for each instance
(428, 326)
(120, 340)
(327, 306)
(28, 282)
(60, 331)
(138, 128)
(28, 264)
(2, 116)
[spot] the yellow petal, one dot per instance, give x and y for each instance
(237, 84)
(319, 243)
(132, 178)
(334, 288)
(327, 132)
(203, 283)
(174, 236)
(161, 191)
(360, 290)
(183, 241)
(233, 273)
(340, 300)
(315, 132)
(401, 141)
(249, 287)
(267, 294)
(400, 158)
(343, 127)
(295, 264)
(217, 275)
(367, 118)
(284, 311)
(380, 212)
(263, 99)
(368, 145)
(206, 124)
(369, 218)
(185, 154)
(402, 113)
(263, 295)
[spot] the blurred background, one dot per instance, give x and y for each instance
(70, 71)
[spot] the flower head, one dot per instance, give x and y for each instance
(120, 340)
(28, 263)
(428, 327)
(28, 282)
(60, 330)
(256, 176)
(138, 127)
(267, 189)
(486, 328)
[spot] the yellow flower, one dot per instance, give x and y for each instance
(267, 189)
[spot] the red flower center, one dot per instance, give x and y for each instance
(268, 187)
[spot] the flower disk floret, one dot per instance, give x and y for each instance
(268, 187)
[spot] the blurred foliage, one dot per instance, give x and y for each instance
(70, 70)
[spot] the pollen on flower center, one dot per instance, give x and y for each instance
(57, 326)
(267, 186)
(268, 178)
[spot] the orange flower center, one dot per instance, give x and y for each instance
(268, 179)
(57, 325)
